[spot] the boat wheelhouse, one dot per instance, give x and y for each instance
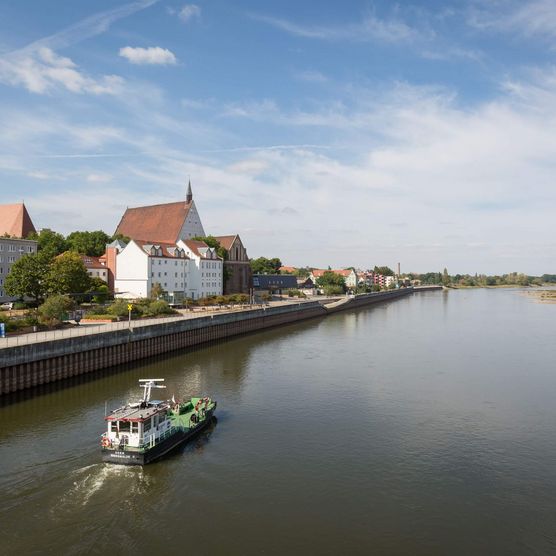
(141, 432)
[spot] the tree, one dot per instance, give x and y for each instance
(211, 241)
(156, 290)
(88, 243)
(55, 308)
(50, 242)
(262, 265)
(446, 278)
(331, 283)
(27, 277)
(384, 270)
(67, 275)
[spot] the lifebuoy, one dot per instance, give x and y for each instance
(105, 442)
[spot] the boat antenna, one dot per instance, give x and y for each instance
(148, 384)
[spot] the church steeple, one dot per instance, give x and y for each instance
(189, 195)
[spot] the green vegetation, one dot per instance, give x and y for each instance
(54, 310)
(331, 283)
(92, 244)
(477, 280)
(296, 293)
(67, 275)
(262, 265)
(384, 270)
(27, 277)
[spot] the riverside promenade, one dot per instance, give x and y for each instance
(45, 357)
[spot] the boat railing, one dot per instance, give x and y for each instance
(149, 442)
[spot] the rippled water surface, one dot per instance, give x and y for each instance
(422, 426)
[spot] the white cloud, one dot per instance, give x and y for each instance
(150, 55)
(42, 71)
(536, 18)
(371, 28)
(99, 178)
(188, 12)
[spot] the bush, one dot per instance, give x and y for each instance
(55, 309)
(99, 316)
(155, 308)
(119, 308)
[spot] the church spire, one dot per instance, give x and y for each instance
(189, 195)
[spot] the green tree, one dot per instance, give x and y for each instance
(27, 277)
(446, 278)
(156, 290)
(55, 309)
(50, 242)
(88, 243)
(67, 275)
(211, 241)
(384, 270)
(331, 283)
(262, 265)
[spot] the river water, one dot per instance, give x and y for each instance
(425, 425)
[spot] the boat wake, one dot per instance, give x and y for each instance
(101, 478)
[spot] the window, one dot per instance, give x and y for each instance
(11, 248)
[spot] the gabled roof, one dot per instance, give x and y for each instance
(15, 221)
(155, 223)
(93, 262)
(199, 248)
(226, 241)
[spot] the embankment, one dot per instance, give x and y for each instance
(39, 363)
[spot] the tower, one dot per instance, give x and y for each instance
(189, 194)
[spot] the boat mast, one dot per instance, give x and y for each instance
(148, 384)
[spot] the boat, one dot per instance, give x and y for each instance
(141, 432)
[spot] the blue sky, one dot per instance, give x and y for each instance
(325, 133)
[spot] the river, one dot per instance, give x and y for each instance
(425, 425)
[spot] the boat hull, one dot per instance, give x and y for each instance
(130, 457)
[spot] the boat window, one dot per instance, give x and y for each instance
(135, 427)
(125, 426)
(147, 425)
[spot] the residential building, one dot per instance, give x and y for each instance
(238, 277)
(166, 223)
(349, 276)
(140, 265)
(205, 269)
(15, 224)
(96, 266)
(11, 250)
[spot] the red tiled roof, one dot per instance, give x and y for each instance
(92, 262)
(287, 269)
(194, 245)
(226, 241)
(317, 273)
(15, 221)
(155, 223)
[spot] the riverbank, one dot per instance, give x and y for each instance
(50, 359)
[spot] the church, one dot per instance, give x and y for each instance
(171, 227)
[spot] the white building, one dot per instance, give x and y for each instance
(189, 269)
(141, 265)
(206, 269)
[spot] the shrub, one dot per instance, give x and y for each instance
(99, 316)
(55, 308)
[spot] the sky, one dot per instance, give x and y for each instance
(353, 133)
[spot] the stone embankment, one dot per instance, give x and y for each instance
(42, 362)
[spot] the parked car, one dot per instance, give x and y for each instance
(7, 306)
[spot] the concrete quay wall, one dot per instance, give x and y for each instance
(31, 365)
